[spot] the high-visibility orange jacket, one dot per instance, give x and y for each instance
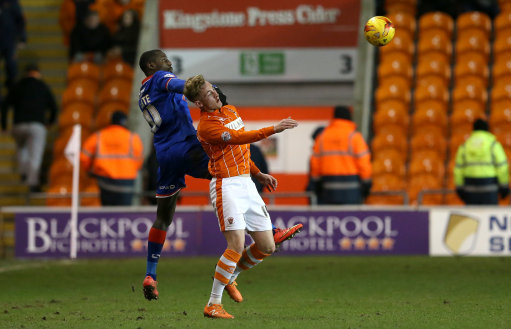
(113, 152)
(340, 150)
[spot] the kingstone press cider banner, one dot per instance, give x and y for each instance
(118, 234)
(287, 40)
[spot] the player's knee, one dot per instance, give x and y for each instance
(268, 248)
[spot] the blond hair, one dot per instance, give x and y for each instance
(193, 87)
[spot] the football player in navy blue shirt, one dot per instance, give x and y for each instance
(178, 152)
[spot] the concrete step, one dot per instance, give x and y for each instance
(39, 39)
(40, 15)
(13, 189)
(7, 154)
(10, 178)
(38, 28)
(6, 201)
(35, 4)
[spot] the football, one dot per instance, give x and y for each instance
(379, 31)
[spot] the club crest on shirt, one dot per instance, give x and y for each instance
(226, 136)
(230, 220)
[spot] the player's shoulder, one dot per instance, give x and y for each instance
(164, 74)
(230, 108)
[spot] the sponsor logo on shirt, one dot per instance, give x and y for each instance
(235, 125)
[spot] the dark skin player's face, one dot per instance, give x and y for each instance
(162, 63)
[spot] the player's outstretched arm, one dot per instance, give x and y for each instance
(285, 124)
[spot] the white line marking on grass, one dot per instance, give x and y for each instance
(25, 266)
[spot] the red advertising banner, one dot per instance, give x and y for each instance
(263, 24)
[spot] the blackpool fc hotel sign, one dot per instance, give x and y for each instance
(124, 234)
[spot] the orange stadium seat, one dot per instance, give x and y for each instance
(60, 143)
(500, 117)
(424, 92)
(393, 166)
(78, 93)
(403, 21)
(456, 140)
(386, 183)
(463, 104)
(76, 113)
(91, 187)
(393, 88)
(398, 65)
(437, 106)
(422, 182)
(433, 64)
(434, 40)
(105, 112)
(59, 195)
(428, 141)
(502, 21)
(500, 92)
(473, 40)
(115, 91)
(401, 6)
(426, 161)
(501, 69)
(389, 153)
(504, 5)
(391, 117)
(473, 19)
(462, 118)
(471, 64)
(60, 169)
(389, 139)
(504, 138)
(436, 81)
(451, 198)
(117, 70)
(436, 20)
(83, 70)
(402, 42)
(395, 104)
(470, 89)
(432, 117)
(504, 80)
(502, 44)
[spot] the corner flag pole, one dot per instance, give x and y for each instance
(72, 153)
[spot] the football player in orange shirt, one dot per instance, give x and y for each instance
(238, 205)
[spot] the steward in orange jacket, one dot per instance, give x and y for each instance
(114, 155)
(341, 162)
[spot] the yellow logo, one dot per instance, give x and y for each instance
(460, 235)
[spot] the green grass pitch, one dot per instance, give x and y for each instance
(283, 292)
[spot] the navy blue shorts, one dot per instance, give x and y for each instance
(184, 158)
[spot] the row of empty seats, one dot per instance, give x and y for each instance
(92, 94)
(430, 93)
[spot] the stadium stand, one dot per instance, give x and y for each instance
(462, 73)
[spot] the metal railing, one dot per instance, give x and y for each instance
(271, 197)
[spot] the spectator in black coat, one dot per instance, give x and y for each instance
(125, 39)
(12, 36)
(34, 108)
(90, 40)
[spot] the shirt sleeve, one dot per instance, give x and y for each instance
(88, 152)
(212, 131)
(253, 168)
(168, 82)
